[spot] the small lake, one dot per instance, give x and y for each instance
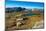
(29, 14)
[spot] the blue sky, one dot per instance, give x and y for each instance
(24, 4)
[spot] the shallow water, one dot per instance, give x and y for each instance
(29, 14)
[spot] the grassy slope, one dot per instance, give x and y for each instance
(28, 24)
